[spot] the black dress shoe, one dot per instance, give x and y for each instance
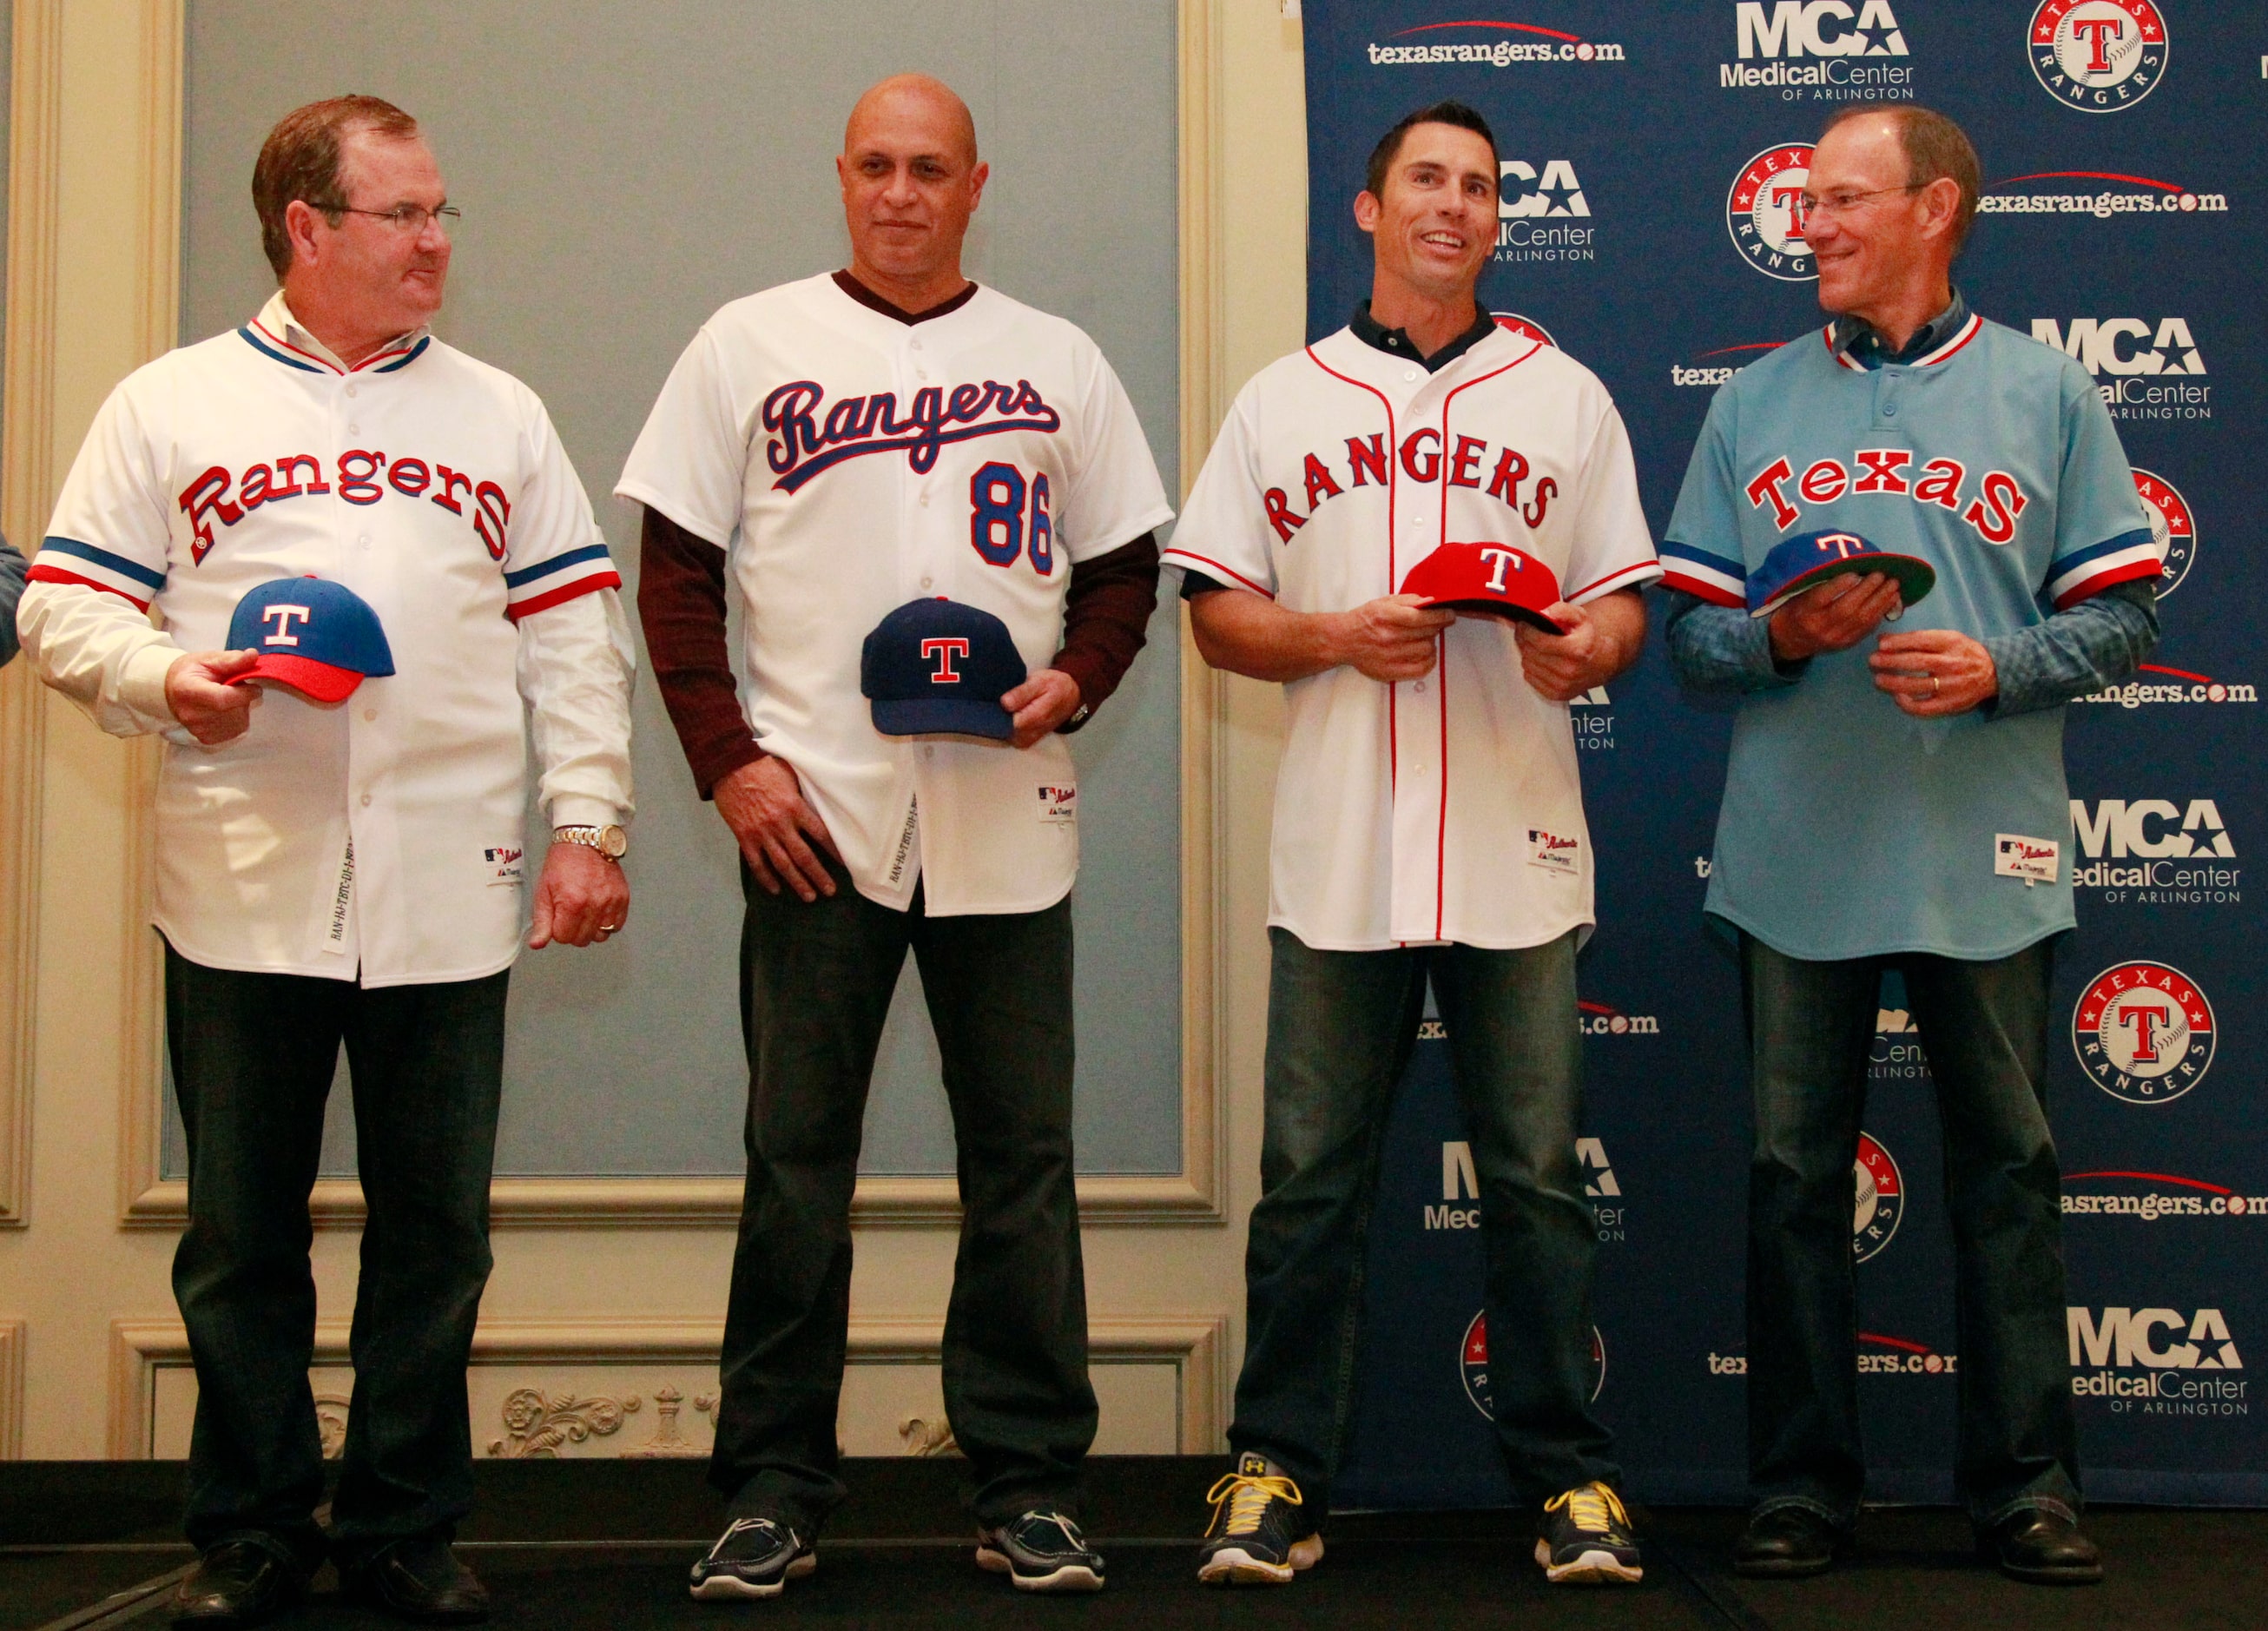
(2044, 1549)
(1786, 1541)
(420, 1579)
(238, 1583)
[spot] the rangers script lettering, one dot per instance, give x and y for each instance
(208, 499)
(804, 447)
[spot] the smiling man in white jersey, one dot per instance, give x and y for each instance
(1429, 825)
(897, 465)
(1898, 800)
(344, 866)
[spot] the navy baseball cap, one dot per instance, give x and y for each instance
(1799, 563)
(318, 638)
(938, 665)
(1498, 578)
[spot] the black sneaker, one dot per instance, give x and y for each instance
(1585, 1539)
(1041, 1551)
(753, 1557)
(1261, 1533)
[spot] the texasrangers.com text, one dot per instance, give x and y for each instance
(1493, 54)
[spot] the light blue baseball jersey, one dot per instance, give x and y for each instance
(1848, 828)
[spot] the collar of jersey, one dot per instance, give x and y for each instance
(278, 334)
(1396, 342)
(1857, 343)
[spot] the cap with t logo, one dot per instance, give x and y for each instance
(936, 666)
(318, 638)
(1498, 578)
(1814, 558)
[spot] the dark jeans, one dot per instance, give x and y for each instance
(815, 986)
(1341, 1025)
(1984, 1028)
(252, 1058)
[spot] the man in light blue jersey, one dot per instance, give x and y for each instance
(1896, 799)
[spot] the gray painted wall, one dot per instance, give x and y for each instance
(624, 171)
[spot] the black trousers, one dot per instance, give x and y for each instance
(252, 1058)
(816, 982)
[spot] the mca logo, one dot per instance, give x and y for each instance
(1880, 1198)
(2123, 827)
(1473, 1362)
(2121, 346)
(2123, 1338)
(2143, 1032)
(1522, 193)
(2099, 56)
(1819, 28)
(2172, 526)
(1763, 212)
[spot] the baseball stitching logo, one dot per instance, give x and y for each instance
(2172, 526)
(1881, 1201)
(1764, 212)
(2099, 56)
(1473, 1363)
(2143, 1032)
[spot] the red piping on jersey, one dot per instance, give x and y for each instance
(384, 354)
(1224, 570)
(1569, 595)
(1393, 487)
(41, 572)
(1441, 662)
(564, 593)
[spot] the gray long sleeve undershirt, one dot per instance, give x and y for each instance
(2082, 649)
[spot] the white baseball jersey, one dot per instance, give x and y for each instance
(1445, 808)
(384, 837)
(849, 462)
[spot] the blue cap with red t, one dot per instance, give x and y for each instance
(936, 666)
(318, 638)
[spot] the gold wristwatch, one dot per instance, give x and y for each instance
(611, 842)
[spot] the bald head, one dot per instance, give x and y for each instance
(916, 105)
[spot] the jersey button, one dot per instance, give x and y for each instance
(365, 801)
(924, 498)
(1419, 688)
(928, 582)
(370, 714)
(1410, 373)
(350, 389)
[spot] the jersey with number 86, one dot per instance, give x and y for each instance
(849, 462)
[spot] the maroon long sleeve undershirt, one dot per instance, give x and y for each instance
(682, 606)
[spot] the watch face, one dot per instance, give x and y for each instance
(613, 842)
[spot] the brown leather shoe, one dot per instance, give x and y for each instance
(237, 1584)
(421, 1580)
(2044, 1549)
(1785, 1542)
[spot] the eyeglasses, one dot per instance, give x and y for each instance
(1844, 202)
(408, 219)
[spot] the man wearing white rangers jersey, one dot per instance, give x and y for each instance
(849, 447)
(351, 871)
(1429, 825)
(1899, 802)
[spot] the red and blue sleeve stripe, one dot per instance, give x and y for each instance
(533, 589)
(67, 560)
(1699, 572)
(2130, 555)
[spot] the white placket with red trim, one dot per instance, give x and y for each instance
(1418, 734)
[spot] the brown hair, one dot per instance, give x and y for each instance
(300, 160)
(1457, 114)
(1936, 149)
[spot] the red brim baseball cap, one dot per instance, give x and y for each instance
(317, 682)
(1496, 579)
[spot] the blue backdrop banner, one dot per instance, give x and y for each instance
(1653, 160)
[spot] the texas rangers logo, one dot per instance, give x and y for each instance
(2099, 56)
(2172, 527)
(1764, 212)
(2144, 1032)
(1881, 1198)
(282, 617)
(1524, 328)
(941, 652)
(1473, 1362)
(805, 444)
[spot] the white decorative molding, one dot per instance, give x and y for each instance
(139, 1348)
(28, 476)
(11, 1390)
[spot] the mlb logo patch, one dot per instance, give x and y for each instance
(1553, 852)
(506, 863)
(1058, 807)
(2032, 860)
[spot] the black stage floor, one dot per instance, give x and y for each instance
(84, 1547)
